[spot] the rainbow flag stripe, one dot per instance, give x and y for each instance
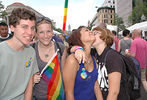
(52, 76)
(65, 15)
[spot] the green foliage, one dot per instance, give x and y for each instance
(90, 26)
(145, 9)
(2, 12)
(3, 21)
(118, 21)
(1, 5)
(139, 10)
(57, 29)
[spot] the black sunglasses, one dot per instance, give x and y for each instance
(43, 18)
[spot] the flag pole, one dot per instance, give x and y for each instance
(65, 15)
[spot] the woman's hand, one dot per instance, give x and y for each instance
(37, 77)
(80, 55)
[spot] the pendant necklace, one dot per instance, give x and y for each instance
(89, 61)
(46, 55)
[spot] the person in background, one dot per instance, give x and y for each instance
(57, 39)
(138, 50)
(62, 37)
(116, 40)
(80, 79)
(125, 43)
(4, 35)
(45, 48)
(18, 60)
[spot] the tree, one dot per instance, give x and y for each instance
(59, 30)
(139, 10)
(1, 5)
(2, 12)
(118, 21)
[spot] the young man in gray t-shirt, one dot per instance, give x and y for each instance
(17, 58)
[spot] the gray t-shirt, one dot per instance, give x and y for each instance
(16, 68)
(125, 44)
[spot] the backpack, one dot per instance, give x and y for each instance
(131, 77)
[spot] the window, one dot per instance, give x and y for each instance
(113, 2)
(105, 21)
(106, 16)
(111, 16)
(105, 10)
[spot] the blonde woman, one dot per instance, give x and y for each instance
(45, 48)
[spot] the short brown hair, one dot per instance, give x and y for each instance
(106, 35)
(20, 13)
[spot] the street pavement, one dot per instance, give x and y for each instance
(143, 94)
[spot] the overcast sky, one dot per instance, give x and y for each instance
(79, 11)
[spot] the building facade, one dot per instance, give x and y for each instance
(20, 5)
(109, 3)
(123, 9)
(10, 8)
(106, 15)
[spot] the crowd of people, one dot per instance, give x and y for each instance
(88, 65)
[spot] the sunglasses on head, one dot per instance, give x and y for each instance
(43, 18)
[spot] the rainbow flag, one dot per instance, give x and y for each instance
(65, 15)
(52, 75)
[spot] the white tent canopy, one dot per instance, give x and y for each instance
(142, 26)
(111, 27)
